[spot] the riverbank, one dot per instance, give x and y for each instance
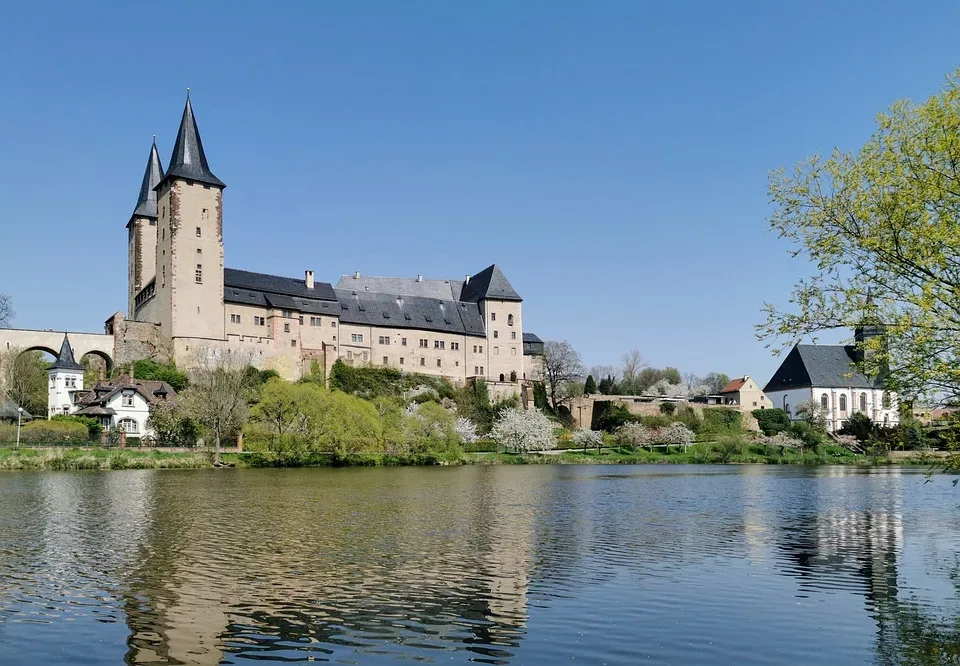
(59, 459)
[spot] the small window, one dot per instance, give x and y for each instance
(333, 324)
(203, 215)
(513, 335)
(365, 357)
(502, 377)
(513, 351)
(384, 360)
(496, 351)
(509, 320)
(300, 320)
(863, 403)
(234, 319)
(353, 337)
(439, 363)
(360, 338)
(423, 343)
(481, 348)
(293, 343)
(349, 355)
(286, 328)
(384, 339)
(423, 361)
(843, 402)
(198, 232)
(496, 334)
(128, 399)
(481, 369)
(476, 369)
(493, 316)
(199, 274)
(401, 360)
(403, 342)
(825, 401)
(199, 251)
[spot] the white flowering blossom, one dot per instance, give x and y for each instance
(524, 430)
(633, 435)
(585, 437)
(783, 440)
(466, 429)
(676, 434)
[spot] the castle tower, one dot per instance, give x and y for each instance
(189, 281)
(66, 377)
(142, 231)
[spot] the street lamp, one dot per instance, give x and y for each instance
(19, 417)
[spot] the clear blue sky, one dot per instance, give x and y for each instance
(611, 157)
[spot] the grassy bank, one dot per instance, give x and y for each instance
(103, 459)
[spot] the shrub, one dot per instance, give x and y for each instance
(772, 421)
(632, 435)
(656, 421)
(524, 430)
(667, 408)
(164, 372)
(48, 432)
(170, 425)
(727, 447)
(688, 416)
(807, 433)
(93, 425)
(584, 437)
(609, 416)
(860, 426)
(722, 420)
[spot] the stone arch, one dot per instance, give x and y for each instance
(102, 355)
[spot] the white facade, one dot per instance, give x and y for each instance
(839, 404)
(61, 388)
(132, 411)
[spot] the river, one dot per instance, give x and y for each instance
(537, 564)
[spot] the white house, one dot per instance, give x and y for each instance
(123, 403)
(66, 379)
(832, 376)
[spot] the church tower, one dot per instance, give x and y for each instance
(66, 377)
(189, 253)
(142, 232)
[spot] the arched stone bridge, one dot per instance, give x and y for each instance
(49, 341)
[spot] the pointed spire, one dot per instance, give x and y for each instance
(147, 202)
(65, 359)
(188, 160)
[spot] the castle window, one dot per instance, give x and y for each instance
(439, 344)
(234, 319)
(353, 337)
(457, 363)
(496, 351)
(439, 363)
(509, 320)
(366, 356)
(474, 349)
(423, 343)
(401, 360)
(293, 343)
(476, 369)
(360, 339)
(314, 321)
(286, 328)
(496, 334)
(513, 351)
(423, 361)
(480, 347)
(199, 251)
(198, 232)
(513, 335)
(300, 320)
(349, 355)
(163, 276)
(493, 316)
(384, 340)
(502, 377)
(203, 215)
(259, 321)
(481, 369)
(403, 342)
(333, 324)
(384, 360)
(455, 346)
(199, 273)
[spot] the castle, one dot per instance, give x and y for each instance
(182, 300)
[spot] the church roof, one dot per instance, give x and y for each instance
(147, 201)
(820, 366)
(489, 283)
(372, 308)
(188, 159)
(65, 360)
(248, 281)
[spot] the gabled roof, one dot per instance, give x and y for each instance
(147, 201)
(489, 283)
(734, 385)
(274, 284)
(65, 360)
(397, 311)
(820, 366)
(104, 391)
(188, 159)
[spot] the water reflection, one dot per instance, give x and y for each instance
(491, 565)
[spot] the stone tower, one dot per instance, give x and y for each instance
(66, 377)
(189, 278)
(142, 231)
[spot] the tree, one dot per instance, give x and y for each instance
(219, 394)
(772, 421)
(859, 425)
(633, 364)
(633, 435)
(715, 381)
(25, 379)
(585, 437)
(6, 311)
(561, 364)
(881, 228)
(170, 425)
(522, 430)
(590, 386)
(163, 372)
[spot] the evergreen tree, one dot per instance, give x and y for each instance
(590, 386)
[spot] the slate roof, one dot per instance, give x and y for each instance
(188, 159)
(274, 284)
(371, 308)
(8, 411)
(531, 337)
(821, 366)
(104, 391)
(147, 201)
(399, 286)
(65, 360)
(489, 283)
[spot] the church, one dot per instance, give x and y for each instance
(183, 301)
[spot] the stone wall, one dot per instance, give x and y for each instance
(582, 408)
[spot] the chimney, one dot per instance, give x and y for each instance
(467, 281)
(308, 279)
(420, 278)
(356, 276)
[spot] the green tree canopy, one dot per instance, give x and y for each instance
(880, 227)
(590, 386)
